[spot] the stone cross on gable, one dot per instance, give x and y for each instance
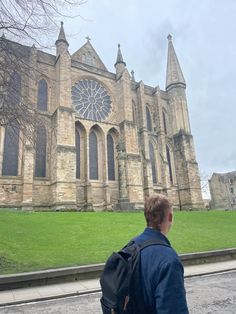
(88, 38)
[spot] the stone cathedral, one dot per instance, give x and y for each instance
(110, 142)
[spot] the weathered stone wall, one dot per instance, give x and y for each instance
(223, 190)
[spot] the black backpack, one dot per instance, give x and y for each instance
(120, 280)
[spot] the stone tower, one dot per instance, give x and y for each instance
(63, 131)
(187, 172)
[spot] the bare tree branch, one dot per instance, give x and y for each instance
(30, 22)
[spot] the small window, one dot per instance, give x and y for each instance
(93, 156)
(169, 164)
(110, 158)
(11, 151)
(148, 119)
(153, 163)
(42, 102)
(164, 122)
(231, 190)
(231, 181)
(77, 145)
(41, 151)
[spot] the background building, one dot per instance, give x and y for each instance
(109, 140)
(223, 190)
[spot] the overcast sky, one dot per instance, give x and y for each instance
(204, 39)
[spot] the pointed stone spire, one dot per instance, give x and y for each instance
(119, 57)
(62, 36)
(174, 75)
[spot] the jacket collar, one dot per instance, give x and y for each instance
(152, 233)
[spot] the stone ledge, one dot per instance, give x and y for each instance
(69, 274)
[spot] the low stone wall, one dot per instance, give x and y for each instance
(68, 274)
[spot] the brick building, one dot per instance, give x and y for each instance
(110, 142)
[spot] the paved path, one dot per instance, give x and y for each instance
(15, 296)
(208, 294)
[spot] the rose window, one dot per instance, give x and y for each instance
(91, 100)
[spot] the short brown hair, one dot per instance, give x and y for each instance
(155, 210)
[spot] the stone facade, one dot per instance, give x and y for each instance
(153, 146)
(223, 190)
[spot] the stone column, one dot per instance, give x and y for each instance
(123, 201)
(27, 177)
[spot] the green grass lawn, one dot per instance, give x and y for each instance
(36, 240)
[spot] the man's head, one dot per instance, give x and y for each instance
(158, 213)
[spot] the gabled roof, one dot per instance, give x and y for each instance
(87, 54)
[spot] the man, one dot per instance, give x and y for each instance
(161, 269)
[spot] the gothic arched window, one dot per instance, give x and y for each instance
(153, 162)
(77, 145)
(93, 156)
(11, 151)
(12, 132)
(164, 122)
(169, 163)
(110, 158)
(148, 119)
(42, 101)
(41, 152)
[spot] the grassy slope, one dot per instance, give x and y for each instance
(33, 240)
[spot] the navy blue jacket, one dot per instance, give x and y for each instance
(162, 276)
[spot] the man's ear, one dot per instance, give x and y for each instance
(170, 217)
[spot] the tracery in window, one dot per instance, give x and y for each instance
(91, 100)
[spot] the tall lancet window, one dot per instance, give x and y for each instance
(110, 158)
(12, 131)
(164, 122)
(77, 146)
(148, 119)
(134, 112)
(93, 156)
(169, 164)
(153, 163)
(41, 152)
(42, 101)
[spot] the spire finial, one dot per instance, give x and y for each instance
(88, 38)
(62, 36)
(132, 75)
(174, 75)
(119, 57)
